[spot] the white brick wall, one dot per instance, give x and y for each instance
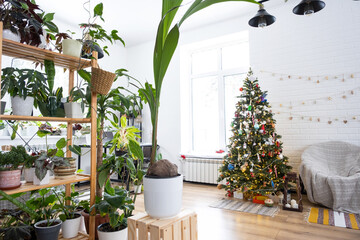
(325, 44)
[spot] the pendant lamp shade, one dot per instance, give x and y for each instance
(262, 19)
(308, 7)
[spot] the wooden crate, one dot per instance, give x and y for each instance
(181, 227)
(80, 236)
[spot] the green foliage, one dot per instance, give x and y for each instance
(14, 158)
(66, 211)
(165, 46)
(255, 162)
(50, 103)
(22, 82)
(115, 199)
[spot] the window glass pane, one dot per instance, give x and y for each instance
(235, 56)
(232, 86)
(205, 115)
(204, 62)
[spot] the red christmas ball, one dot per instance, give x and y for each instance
(257, 85)
(241, 89)
(284, 177)
(270, 170)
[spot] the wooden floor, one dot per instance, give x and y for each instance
(218, 224)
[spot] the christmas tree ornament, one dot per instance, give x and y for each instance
(244, 146)
(275, 170)
(231, 167)
(249, 108)
(256, 126)
(272, 184)
(241, 89)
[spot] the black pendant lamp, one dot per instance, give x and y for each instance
(308, 7)
(262, 18)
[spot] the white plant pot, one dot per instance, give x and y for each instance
(163, 196)
(70, 227)
(21, 106)
(10, 35)
(29, 174)
(73, 110)
(118, 235)
(137, 188)
(72, 47)
(45, 180)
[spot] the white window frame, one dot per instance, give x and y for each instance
(187, 141)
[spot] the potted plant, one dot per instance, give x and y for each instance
(162, 184)
(15, 224)
(69, 215)
(29, 168)
(9, 167)
(115, 200)
(74, 107)
(47, 225)
(22, 85)
(93, 32)
(22, 23)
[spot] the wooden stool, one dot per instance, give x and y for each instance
(181, 227)
(292, 176)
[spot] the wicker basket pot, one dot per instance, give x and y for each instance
(101, 80)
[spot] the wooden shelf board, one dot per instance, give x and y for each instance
(31, 53)
(45, 119)
(26, 187)
(80, 236)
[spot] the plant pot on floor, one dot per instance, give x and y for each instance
(21, 106)
(3, 105)
(44, 232)
(72, 47)
(70, 227)
(44, 181)
(10, 179)
(163, 196)
(73, 110)
(98, 221)
(29, 174)
(61, 171)
(107, 235)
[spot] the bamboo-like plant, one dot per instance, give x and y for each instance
(165, 46)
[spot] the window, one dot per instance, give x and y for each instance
(213, 72)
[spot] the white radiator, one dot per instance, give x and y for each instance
(202, 170)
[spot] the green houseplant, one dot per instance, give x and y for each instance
(68, 212)
(22, 85)
(9, 167)
(156, 204)
(115, 200)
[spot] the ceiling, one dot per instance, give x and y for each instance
(137, 20)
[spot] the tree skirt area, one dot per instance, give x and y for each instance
(245, 206)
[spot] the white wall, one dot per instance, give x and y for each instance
(324, 44)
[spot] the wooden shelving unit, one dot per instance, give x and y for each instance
(26, 52)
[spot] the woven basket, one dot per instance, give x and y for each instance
(101, 81)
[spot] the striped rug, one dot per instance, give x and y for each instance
(334, 218)
(245, 206)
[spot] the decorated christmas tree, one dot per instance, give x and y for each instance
(254, 162)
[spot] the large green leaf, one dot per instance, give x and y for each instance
(50, 72)
(19, 204)
(136, 150)
(61, 143)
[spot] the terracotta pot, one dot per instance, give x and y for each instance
(10, 179)
(98, 221)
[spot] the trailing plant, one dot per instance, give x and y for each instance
(93, 32)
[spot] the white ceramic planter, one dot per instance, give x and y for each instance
(72, 47)
(29, 174)
(119, 235)
(163, 196)
(137, 188)
(21, 106)
(70, 227)
(73, 110)
(10, 35)
(45, 180)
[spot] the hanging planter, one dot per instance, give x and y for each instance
(21, 106)
(101, 80)
(72, 47)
